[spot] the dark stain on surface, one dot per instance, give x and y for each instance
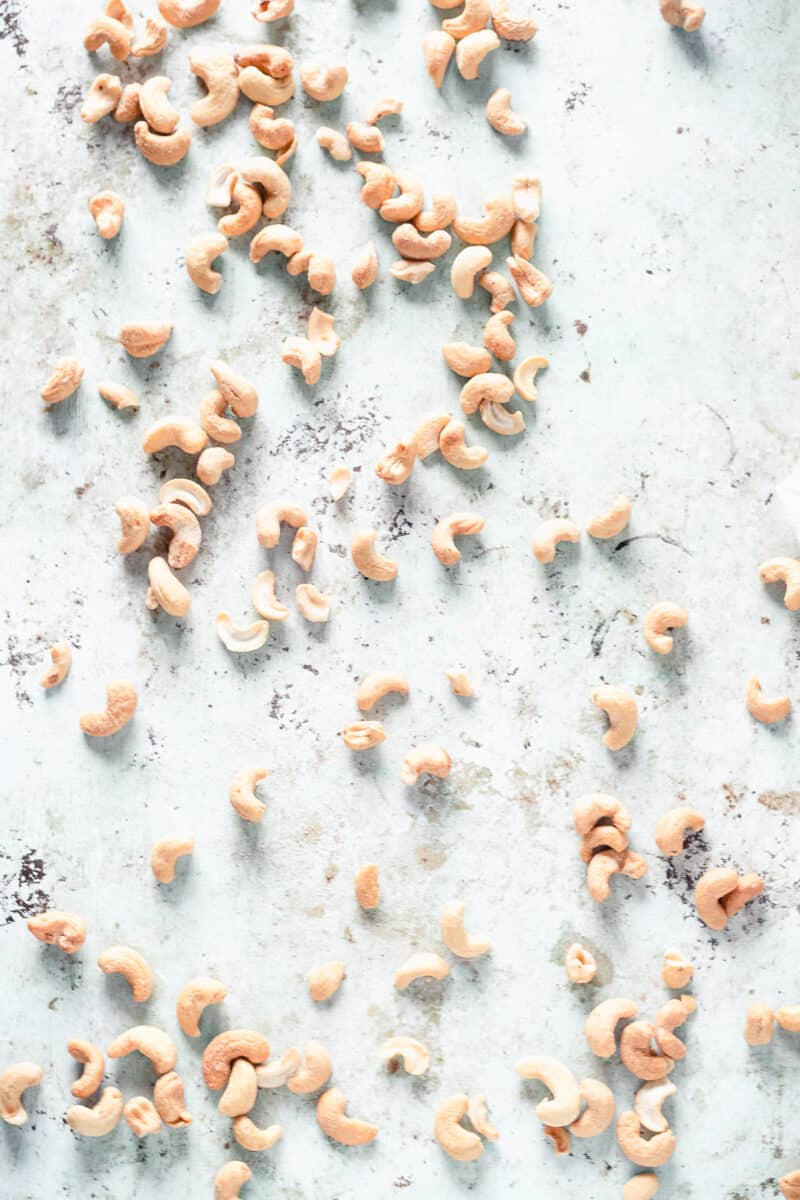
(10, 28)
(68, 97)
(782, 802)
(83, 488)
(18, 662)
(581, 327)
(586, 375)
(21, 893)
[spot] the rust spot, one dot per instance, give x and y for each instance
(581, 327)
(83, 488)
(430, 858)
(782, 802)
(586, 376)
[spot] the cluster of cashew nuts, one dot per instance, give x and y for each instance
(427, 758)
(602, 822)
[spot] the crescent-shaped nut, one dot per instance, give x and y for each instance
(157, 111)
(117, 395)
(105, 30)
(128, 108)
(194, 999)
(648, 1101)
(437, 48)
(580, 964)
(487, 388)
(141, 339)
(349, 1131)
(747, 888)
(231, 1178)
(602, 837)
(472, 50)
(262, 88)
(522, 239)
(766, 710)
(154, 40)
(413, 1055)
(142, 1116)
(602, 1021)
(186, 532)
(428, 432)
(500, 420)
(153, 1043)
(237, 391)
(200, 253)
(637, 1054)
(710, 889)
(251, 1137)
(397, 464)
(162, 149)
(120, 706)
(174, 431)
(217, 69)
(265, 602)
(479, 1117)
(15, 1080)
(367, 886)
(66, 375)
(61, 657)
(497, 336)
(241, 639)
(123, 960)
(57, 928)
(471, 20)
(468, 361)
(374, 687)
(367, 560)
(565, 1104)
(676, 971)
(511, 29)
(455, 451)
(640, 1187)
(672, 827)
(211, 464)
(447, 529)
(242, 794)
(409, 270)
(500, 115)
(324, 981)
(467, 265)
(241, 1090)
(367, 139)
(365, 267)
(166, 853)
(275, 237)
(461, 1144)
(270, 132)
(323, 83)
(379, 183)
(363, 735)
(597, 806)
(270, 517)
(547, 536)
(222, 1050)
(166, 591)
(623, 715)
(316, 1072)
(100, 1120)
(276, 1074)
(788, 1017)
(425, 759)
(312, 604)
(494, 225)
(682, 16)
(660, 618)
(94, 1065)
(409, 242)
(441, 213)
(422, 965)
(188, 493)
(534, 286)
(455, 936)
(108, 209)
(613, 522)
(275, 183)
(599, 1111)
(185, 14)
(335, 143)
(299, 352)
(409, 202)
(653, 1153)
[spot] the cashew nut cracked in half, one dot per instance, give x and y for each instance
(312, 604)
(349, 1131)
(682, 16)
(162, 149)
(437, 48)
(500, 116)
(767, 711)
(241, 1090)
(672, 827)
(200, 253)
(602, 1021)
(374, 687)
(653, 1153)
(367, 560)
(304, 547)
(100, 1120)
(460, 1143)
(57, 928)
(211, 464)
(323, 83)
(61, 656)
(363, 735)
(365, 267)
(67, 374)
(367, 886)
(299, 352)
(129, 963)
(117, 395)
(217, 70)
(236, 391)
(511, 29)
(611, 523)
(166, 853)
(676, 971)
(251, 1137)
(101, 99)
(242, 793)
(710, 889)
(467, 360)
(165, 590)
(150, 1041)
(422, 965)
(648, 1101)
(194, 999)
(425, 759)
(472, 50)
(185, 14)
(142, 1116)
(231, 1178)
(460, 684)
(467, 264)
(186, 532)
(637, 1054)
(455, 936)
(94, 1064)
(241, 639)
(599, 1111)
(500, 420)
(13, 1082)
(450, 527)
(325, 980)
(120, 706)
(547, 535)
(141, 339)
(222, 1050)
(367, 139)
(108, 209)
(580, 964)
(154, 40)
(411, 271)
(321, 333)
(623, 715)
(565, 1104)
(787, 571)
(276, 1074)
(660, 618)
(455, 451)
(414, 1056)
(640, 1187)
(270, 517)
(316, 1072)
(534, 286)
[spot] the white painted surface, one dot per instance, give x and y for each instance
(669, 228)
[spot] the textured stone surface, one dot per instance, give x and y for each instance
(669, 228)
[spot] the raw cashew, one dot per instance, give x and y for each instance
(185, 14)
(374, 687)
(117, 395)
(186, 532)
(141, 1115)
(248, 213)
(534, 286)
(242, 793)
(323, 83)
(165, 590)
(105, 30)
(456, 452)
(609, 525)
(349, 1131)
(154, 40)
(265, 602)
(100, 1120)
(472, 19)
(379, 183)
(93, 1067)
(409, 270)
(598, 807)
(450, 527)
(487, 388)
(672, 827)
(57, 928)
(221, 1051)
(503, 294)
(467, 360)
(273, 133)
(710, 888)
(425, 759)
(497, 337)
(414, 1056)
(565, 1104)
(768, 711)
(422, 965)
(367, 560)
(620, 708)
(275, 182)
(162, 149)
(437, 48)
(153, 1043)
(217, 70)
(653, 1153)
(365, 268)
(299, 352)
(460, 683)
(325, 980)
(248, 1134)
(472, 50)
(156, 108)
(194, 999)
(219, 189)
(125, 961)
(363, 735)
(467, 264)
(275, 237)
(165, 854)
(682, 16)
(547, 535)
(660, 618)
(200, 253)
(229, 1179)
(599, 1111)
(67, 374)
(339, 481)
(142, 339)
(640, 1187)
(388, 107)
(367, 139)
(367, 887)
(241, 639)
(500, 116)
(270, 517)
(409, 242)
(405, 206)
(602, 1022)
(61, 656)
(783, 570)
(13, 1082)
(335, 143)
(276, 1074)
(212, 463)
(108, 209)
(315, 1074)
(321, 273)
(648, 1101)
(461, 1144)
(312, 604)
(120, 707)
(511, 29)
(455, 936)
(237, 391)
(636, 1052)
(580, 964)
(479, 1117)
(240, 1091)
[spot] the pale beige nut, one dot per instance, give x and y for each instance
(438, 216)
(367, 139)
(128, 109)
(154, 39)
(676, 971)
(324, 981)
(94, 1064)
(501, 420)
(497, 337)
(500, 115)
(240, 1091)
(367, 887)
(117, 395)
(672, 827)
(237, 391)
(503, 294)
(608, 525)
(447, 529)
(230, 1179)
(547, 536)
(397, 464)
(200, 253)
(653, 1153)
(661, 617)
(251, 1137)
(102, 98)
(460, 683)
(141, 339)
(324, 83)
(279, 238)
(710, 889)
(409, 242)
(565, 1104)
(437, 48)
(379, 183)
(534, 286)
(15, 1080)
(214, 422)
(312, 604)
(374, 687)
(580, 964)
(787, 571)
(365, 267)
(276, 1074)
(487, 388)
(622, 713)
(478, 1114)
(262, 88)
(125, 961)
(274, 182)
(367, 560)
(174, 431)
(766, 710)
(467, 265)
(522, 239)
(637, 1054)
(225, 1048)
(640, 1187)
(349, 1131)
(165, 590)
(265, 602)
(99, 1120)
(270, 517)
(428, 432)
(272, 10)
(599, 1111)
(108, 209)
(186, 532)
(316, 1072)
(455, 936)
(194, 999)
(682, 16)
(61, 658)
(788, 1017)
(413, 1055)
(363, 735)
(142, 1116)
(648, 1104)
(422, 965)
(389, 106)
(454, 449)
(217, 70)
(67, 374)
(335, 143)
(602, 837)
(759, 1025)
(602, 1021)
(242, 793)
(300, 353)
(473, 18)
(121, 702)
(511, 29)
(159, 114)
(747, 888)
(466, 360)
(597, 806)
(212, 463)
(57, 928)
(185, 14)
(304, 547)
(426, 759)
(170, 1102)
(339, 481)
(162, 149)
(461, 1144)
(321, 333)
(406, 205)
(150, 1041)
(166, 853)
(104, 30)
(412, 271)
(241, 639)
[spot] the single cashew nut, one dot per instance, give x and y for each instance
(711, 887)
(301, 353)
(312, 604)
(241, 1090)
(511, 29)
(602, 1022)
(102, 98)
(609, 525)
(185, 14)
(321, 333)
(682, 16)
(661, 617)
(439, 216)
(455, 936)
(472, 50)
(61, 656)
(428, 432)
(623, 715)
(335, 143)
(153, 1043)
(495, 224)
(224, 1048)
(454, 525)
(200, 253)
(580, 964)
(142, 339)
(270, 517)
(759, 1025)
(186, 532)
(379, 183)
(374, 687)
(460, 683)
(367, 887)
(107, 30)
(676, 971)
(467, 264)
(274, 1075)
(500, 115)
(120, 706)
(162, 149)
(500, 420)
(154, 40)
(412, 271)
(323, 83)
(605, 837)
(325, 980)
(194, 999)
(427, 758)
(212, 463)
(534, 286)
(118, 395)
(237, 391)
(275, 182)
(349, 1131)
(365, 268)
(242, 793)
(166, 853)
(405, 206)
(635, 1050)
(304, 547)
(461, 1144)
(641, 1187)
(128, 108)
(213, 420)
(409, 242)
(124, 961)
(747, 888)
(473, 18)
(248, 1134)
(156, 108)
(466, 360)
(547, 535)
(174, 431)
(142, 1116)
(217, 70)
(108, 209)
(648, 1101)
(56, 928)
(67, 374)
(234, 1175)
(653, 1153)
(768, 711)
(437, 48)
(565, 1104)
(599, 1111)
(783, 570)
(788, 1017)
(13, 1082)
(363, 735)
(315, 1074)
(597, 806)
(422, 965)
(497, 338)
(100, 1120)
(165, 590)
(366, 559)
(486, 388)
(275, 237)
(414, 1056)
(672, 827)
(265, 602)
(93, 1067)
(456, 452)
(241, 639)
(503, 294)
(367, 139)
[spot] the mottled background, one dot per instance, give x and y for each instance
(669, 226)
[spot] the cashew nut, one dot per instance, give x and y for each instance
(234, 1175)
(599, 1111)
(141, 339)
(711, 887)
(522, 239)
(241, 1090)
(478, 1114)
(636, 1052)
(185, 14)
(497, 337)
(565, 1104)
(487, 388)
(194, 999)
(466, 360)
(312, 604)
(265, 602)
(241, 639)
(315, 1074)
(534, 286)
(460, 683)
(427, 758)
(349, 1131)
(237, 391)
(165, 591)
(93, 1067)
(273, 134)
(212, 463)
(422, 965)
(500, 420)
(120, 707)
(547, 535)
(100, 1120)
(117, 395)
(447, 529)
(437, 48)
(623, 715)
(787, 571)
(580, 964)
(200, 253)
(63, 929)
(472, 19)
(156, 108)
(222, 1050)
(414, 1056)
(365, 267)
(335, 143)
(602, 1022)
(374, 687)
(747, 888)
(455, 936)
(217, 70)
(275, 237)
(661, 617)
(242, 793)
(466, 266)
(304, 547)
(648, 1101)
(153, 1043)
(759, 1025)
(108, 209)
(409, 242)
(398, 463)
(186, 532)
(128, 108)
(456, 452)
(363, 735)
(274, 1075)
(367, 887)
(511, 29)
(461, 1144)
(367, 139)
(367, 560)
(598, 807)
(405, 206)
(339, 481)
(272, 10)
(672, 827)
(166, 853)
(122, 960)
(248, 1134)
(321, 333)
(494, 225)
(788, 1017)
(169, 1100)
(428, 432)
(142, 1116)
(248, 213)
(162, 149)
(768, 711)
(174, 431)
(676, 971)
(61, 656)
(323, 83)
(682, 16)
(67, 374)
(503, 294)
(325, 980)
(106, 30)
(653, 1153)
(606, 837)
(299, 352)
(270, 517)
(13, 1082)
(214, 422)
(412, 271)
(609, 525)
(379, 183)
(154, 40)
(500, 116)
(275, 182)
(526, 191)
